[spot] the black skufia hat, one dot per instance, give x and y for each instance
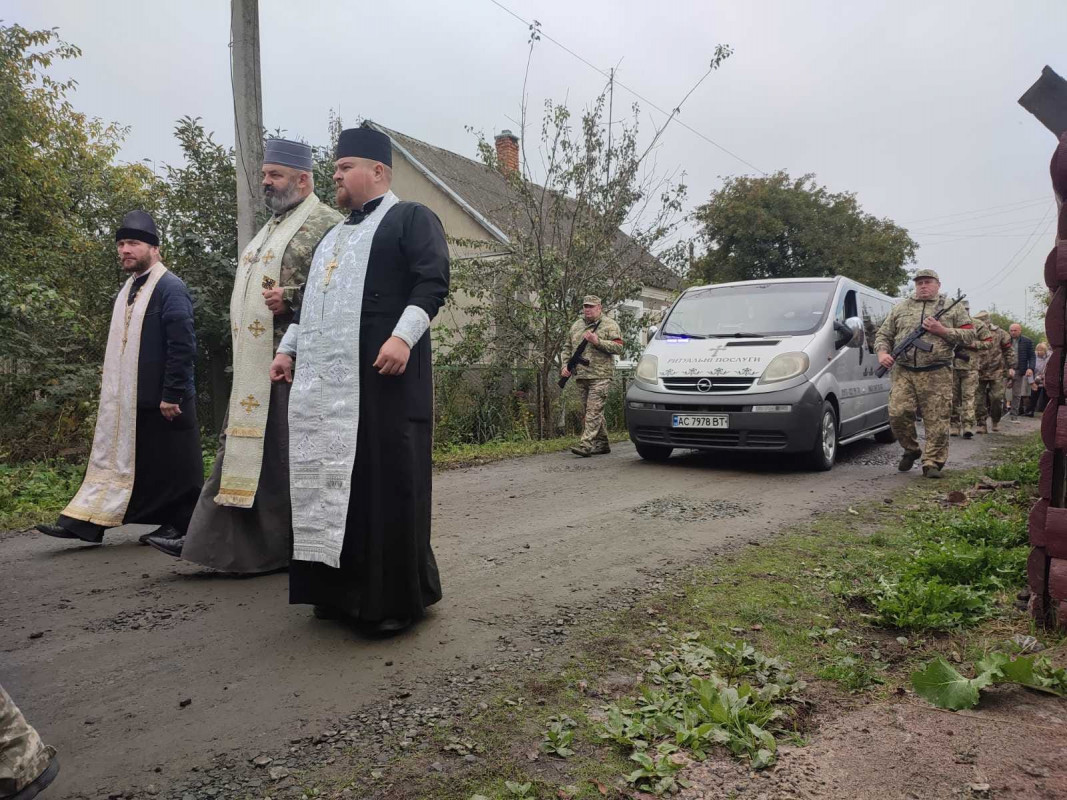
(138, 225)
(365, 143)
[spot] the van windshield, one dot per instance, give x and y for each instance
(757, 309)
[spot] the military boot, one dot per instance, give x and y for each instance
(907, 461)
(931, 472)
(582, 450)
(601, 449)
(968, 434)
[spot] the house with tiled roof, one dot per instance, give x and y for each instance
(472, 202)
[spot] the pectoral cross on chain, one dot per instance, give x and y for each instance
(330, 267)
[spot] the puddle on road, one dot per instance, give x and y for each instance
(677, 508)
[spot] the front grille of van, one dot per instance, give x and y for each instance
(682, 437)
(689, 384)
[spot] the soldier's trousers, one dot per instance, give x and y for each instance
(931, 391)
(23, 756)
(594, 397)
(989, 400)
(964, 387)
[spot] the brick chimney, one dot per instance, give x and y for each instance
(507, 152)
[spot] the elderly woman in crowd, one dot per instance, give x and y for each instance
(1038, 396)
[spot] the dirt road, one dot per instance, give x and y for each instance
(102, 645)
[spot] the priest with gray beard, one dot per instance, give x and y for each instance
(361, 407)
(242, 519)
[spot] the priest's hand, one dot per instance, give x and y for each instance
(275, 302)
(170, 411)
(281, 368)
(393, 357)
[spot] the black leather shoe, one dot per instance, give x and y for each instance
(327, 612)
(58, 531)
(162, 532)
(390, 626)
(164, 544)
(40, 783)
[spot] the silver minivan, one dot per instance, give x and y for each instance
(783, 365)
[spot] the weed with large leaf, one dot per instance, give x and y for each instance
(696, 697)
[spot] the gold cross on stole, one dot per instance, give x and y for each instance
(250, 404)
(256, 328)
(268, 256)
(330, 267)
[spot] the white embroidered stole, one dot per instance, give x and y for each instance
(324, 402)
(105, 492)
(252, 331)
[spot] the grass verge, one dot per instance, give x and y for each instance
(720, 657)
(36, 491)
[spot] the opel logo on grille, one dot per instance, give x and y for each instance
(704, 385)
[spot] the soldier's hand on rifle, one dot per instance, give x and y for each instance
(886, 360)
(934, 326)
(565, 373)
(591, 337)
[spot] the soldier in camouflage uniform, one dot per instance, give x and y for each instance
(258, 539)
(920, 379)
(992, 374)
(27, 765)
(594, 381)
(965, 379)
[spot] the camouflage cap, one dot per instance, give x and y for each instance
(925, 273)
(591, 300)
(982, 315)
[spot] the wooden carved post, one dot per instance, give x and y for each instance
(1047, 566)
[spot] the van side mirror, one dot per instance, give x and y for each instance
(849, 333)
(652, 330)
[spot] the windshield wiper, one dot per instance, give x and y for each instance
(686, 334)
(740, 335)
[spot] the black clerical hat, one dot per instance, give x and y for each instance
(138, 225)
(365, 143)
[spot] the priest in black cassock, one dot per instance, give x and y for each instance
(361, 406)
(146, 464)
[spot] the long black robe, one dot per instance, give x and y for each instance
(168, 463)
(387, 568)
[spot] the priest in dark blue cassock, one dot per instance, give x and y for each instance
(145, 465)
(361, 406)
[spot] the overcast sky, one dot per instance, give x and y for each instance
(911, 104)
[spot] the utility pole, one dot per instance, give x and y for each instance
(247, 113)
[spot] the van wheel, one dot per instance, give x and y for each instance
(824, 452)
(653, 452)
(885, 437)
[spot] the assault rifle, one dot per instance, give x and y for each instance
(914, 339)
(578, 357)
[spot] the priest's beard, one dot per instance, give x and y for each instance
(279, 200)
(343, 198)
(137, 265)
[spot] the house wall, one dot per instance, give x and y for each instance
(410, 184)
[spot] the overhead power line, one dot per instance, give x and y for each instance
(632, 91)
(1009, 267)
(977, 211)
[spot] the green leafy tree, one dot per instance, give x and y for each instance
(566, 239)
(198, 219)
(61, 196)
(782, 227)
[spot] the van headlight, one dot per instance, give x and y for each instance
(647, 369)
(784, 367)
